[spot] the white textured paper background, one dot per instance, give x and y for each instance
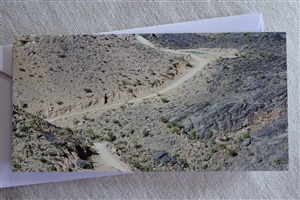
(62, 17)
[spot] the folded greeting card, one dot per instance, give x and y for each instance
(150, 102)
(241, 23)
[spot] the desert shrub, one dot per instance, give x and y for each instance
(213, 150)
(136, 144)
(23, 105)
(87, 119)
(232, 153)
(261, 76)
(111, 137)
(193, 135)
(180, 126)
(59, 102)
(75, 121)
(251, 154)
(17, 166)
(183, 162)
(43, 160)
(224, 138)
(23, 128)
(163, 119)
(247, 135)
(204, 166)
(123, 106)
(68, 130)
(90, 133)
(146, 168)
(278, 161)
(146, 132)
(175, 130)
(240, 139)
(115, 121)
(123, 142)
(87, 90)
(136, 163)
(165, 100)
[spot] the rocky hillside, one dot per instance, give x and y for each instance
(39, 146)
(242, 41)
(230, 116)
(58, 74)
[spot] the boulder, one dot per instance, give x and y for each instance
(166, 158)
(84, 164)
(159, 154)
(173, 159)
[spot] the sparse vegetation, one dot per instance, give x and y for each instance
(136, 163)
(175, 129)
(59, 102)
(213, 150)
(90, 133)
(163, 119)
(204, 166)
(146, 132)
(115, 121)
(68, 130)
(278, 161)
(23, 128)
(136, 144)
(43, 160)
(247, 135)
(88, 119)
(165, 100)
(23, 104)
(76, 121)
(232, 153)
(193, 135)
(87, 90)
(183, 162)
(111, 137)
(261, 76)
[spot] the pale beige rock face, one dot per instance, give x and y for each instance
(61, 17)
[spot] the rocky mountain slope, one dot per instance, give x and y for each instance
(60, 74)
(39, 146)
(230, 116)
(242, 41)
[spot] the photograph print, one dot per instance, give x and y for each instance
(150, 102)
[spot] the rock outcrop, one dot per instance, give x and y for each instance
(39, 146)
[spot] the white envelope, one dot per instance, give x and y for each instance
(241, 23)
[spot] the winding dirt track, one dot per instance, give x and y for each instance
(106, 156)
(198, 64)
(108, 159)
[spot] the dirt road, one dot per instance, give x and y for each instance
(108, 159)
(198, 64)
